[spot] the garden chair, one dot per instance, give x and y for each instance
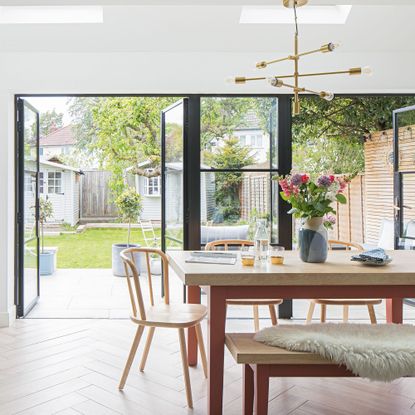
(271, 303)
(166, 315)
(346, 303)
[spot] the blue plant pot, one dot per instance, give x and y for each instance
(117, 263)
(47, 262)
(312, 241)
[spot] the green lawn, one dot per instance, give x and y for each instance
(91, 248)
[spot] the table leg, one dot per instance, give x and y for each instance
(261, 389)
(193, 297)
(248, 388)
(216, 346)
(394, 310)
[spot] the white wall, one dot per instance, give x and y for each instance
(192, 72)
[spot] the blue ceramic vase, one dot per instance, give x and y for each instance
(312, 240)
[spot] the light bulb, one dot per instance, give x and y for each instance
(328, 96)
(367, 70)
(334, 45)
(274, 81)
(230, 80)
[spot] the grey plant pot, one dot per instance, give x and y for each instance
(117, 264)
(47, 262)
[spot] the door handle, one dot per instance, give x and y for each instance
(396, 207)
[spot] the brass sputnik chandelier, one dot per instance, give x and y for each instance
(277, 81)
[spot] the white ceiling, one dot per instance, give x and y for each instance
(210, 28)
(193, 45)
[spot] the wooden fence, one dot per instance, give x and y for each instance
(254, 194)
(95, 196)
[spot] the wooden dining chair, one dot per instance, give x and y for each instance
(346, 303)
(166, 315)
(240, 243)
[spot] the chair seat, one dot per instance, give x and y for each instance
(173, 315)
(347, 301)
(254, 301)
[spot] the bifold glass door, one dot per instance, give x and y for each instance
(173, 136)
(27, 264)
(404, 177)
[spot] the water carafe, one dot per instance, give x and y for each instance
(261, 240)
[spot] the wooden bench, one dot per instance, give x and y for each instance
(262, 362)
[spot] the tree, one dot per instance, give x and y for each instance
(227, 185)
(129, 206)
(122, 132)
(329, 136)
(50, 121)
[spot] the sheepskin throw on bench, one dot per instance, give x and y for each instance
(381, 352)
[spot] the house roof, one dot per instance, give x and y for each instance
(60, 166)
(61, 137)
(250, 122)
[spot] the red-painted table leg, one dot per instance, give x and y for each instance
(261, 389)
(193, 297)
(394, 310)
(248, 388)
(216, 347)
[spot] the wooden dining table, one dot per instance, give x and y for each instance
(338, 277)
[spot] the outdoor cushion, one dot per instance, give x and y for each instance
(215, 233)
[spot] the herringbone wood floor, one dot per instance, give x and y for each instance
(72, 367)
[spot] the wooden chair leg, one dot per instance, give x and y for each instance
(372, 314)
(273, 314)
(248, 390)
(147, 348)
(345, 313)
(256, 318)
(131, 356)
(310, 312)
(185, 364)
(261, 382)
(323, 313)
(202, 350)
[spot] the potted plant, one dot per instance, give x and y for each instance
(129, 208)
(312, 201)
(46, 258)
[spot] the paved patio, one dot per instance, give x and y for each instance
(96, 293)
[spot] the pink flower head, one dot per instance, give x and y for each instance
(330, 219)
(332, 178)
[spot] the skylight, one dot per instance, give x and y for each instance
(306, 15)
(51, 14)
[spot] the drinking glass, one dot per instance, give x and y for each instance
(276, 254)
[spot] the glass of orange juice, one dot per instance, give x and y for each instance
(276, 255)
(248, 256)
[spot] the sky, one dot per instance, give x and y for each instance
(43, 104)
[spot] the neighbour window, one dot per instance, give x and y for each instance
(242, 140)
(152, 186)
(54, 182)
(28, 184)
(40, 151)
(41, 182)
(256, 140)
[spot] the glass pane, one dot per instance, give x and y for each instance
(239, 133)
(406, 137)
(408, 210)
(174, 177)
(231, 203)
(30, 254)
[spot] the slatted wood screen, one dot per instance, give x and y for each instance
(95, 196)
(379, 178)
(255, 194)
